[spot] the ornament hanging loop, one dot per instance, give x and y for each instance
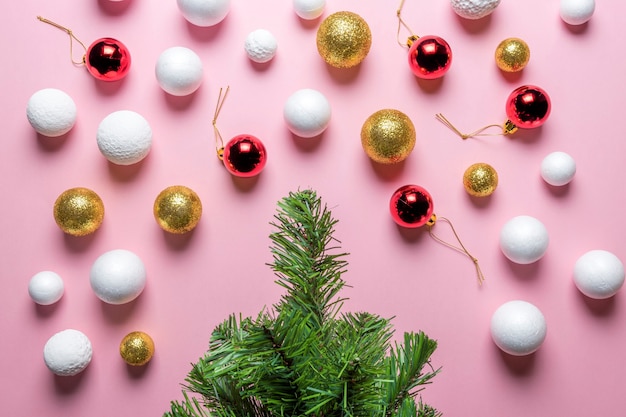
(506, 129)
(402, 24)
(219, 142)
(72, 39)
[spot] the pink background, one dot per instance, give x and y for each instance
(196, 280)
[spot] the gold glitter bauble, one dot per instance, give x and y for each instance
(512, 55)
(137, 348)
(79, 211)
(344, 39)
(177, 209)
(388, 136)
(480, 180)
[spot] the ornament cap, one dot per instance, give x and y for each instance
(411, 39)
(433, 219)
(509, 128)
(220, 153)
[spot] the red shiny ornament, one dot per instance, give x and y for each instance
(429, 57)
(107, 59)
(411, 206)
(244, 156)
(528, 106)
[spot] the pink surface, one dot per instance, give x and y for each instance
(195, 281)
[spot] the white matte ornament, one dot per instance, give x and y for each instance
(309, 9)
(204, 13)
(558, 168)
(179, 71)
(51, 112)
(67, 353)
(518, 328)
(524, 240)
(307, 113)
(260, 46)
(577, 12)
(46, 287)
(599, 274)
(474, 9)
(118, 276)
(124, 137)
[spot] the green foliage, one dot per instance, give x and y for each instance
(304, 357)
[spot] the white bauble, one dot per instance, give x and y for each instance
(51, 112)
(204, 13)
(309, 9)
(474, 9)
(307, 113)
(178, 71)
(599, 274)
(524, 240)
(118, 276)
(124, 137)
(558, 168)
(260, 45)
(46, 287)
(67, 353)
(577, 12)
(518, 328)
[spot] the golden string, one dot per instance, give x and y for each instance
(478, 132)
(72, 39)
(219, 142)
(401, 24)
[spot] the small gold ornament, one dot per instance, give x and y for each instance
(512, 55)
(137, 348)
(388, 136)
(344, 39)
(78, 211)
(480, 180)
(177, 209)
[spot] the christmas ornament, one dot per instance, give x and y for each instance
(388, 136)
(177, 209)
(309, 9)
(67, 353)
(78, 211)
(179, 71)
(430, 56)
(344, 39)
(512, 55)
(524, 240)
(307, 113)
(46, 288)
(106, 59)
(204, 13)
(518, 328)
(124, 137)
(51, 112)
(558, 168)
(118, 276)
(474, 9)
(577, 12)
(599, 274)
(480, 180)
(260, 46)
(137, 348)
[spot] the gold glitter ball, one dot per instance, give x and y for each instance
(78, 211)
(177, 209)
(137, 348)
(480, 180)
(512, 55)
(388, 136)
(344, 39)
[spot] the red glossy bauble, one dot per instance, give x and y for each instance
(411, 206)
(107, 59)
(429, 57)
(244, 156)
(528, 106)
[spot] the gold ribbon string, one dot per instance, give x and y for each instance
(72, 39)
(401, 24)
(219, 142)
(478, 132)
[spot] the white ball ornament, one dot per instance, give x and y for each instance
(577, 12)
(118, 276)
(524, 240)
(124, 137)
(558, 168)
(46, 287)
(51, 112)
(474, 9)
(599, 274)
(179, 71)
(307, 113)
(518, 328)
(260, 46)
(309, 9)
(204, 13)
(67, 353)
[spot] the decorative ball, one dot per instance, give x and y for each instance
(558, 168)
(512, 55)
(430, 57)
(177, 209)
(244, 156)
(524, 240)
(474, 9)
(137, 348)
(411, 206)
(309, 9)
(179, 71)
(46, 287)
(307, 113)
(204, 13)
(118, 276)
(67, 353)
(124, 137)
(78, 211)
(577, 12)
(388, 136)
(108, 59)
(51, 112)
(528, 106)
(599, 274)
(480, 180)
(518, 328)
(260, 46)
(344, 39)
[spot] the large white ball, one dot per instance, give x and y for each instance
(518, 328)
(599, 274)
(577, 12)
(46, 287)
(260, 45)
(474, 9)
(118, 276)
(524, 239)
(51, 112)
(124, 137)
(179, 71)
(558, 168)
(309, 9)
(307, 113)
(67, 353)
(204, 13)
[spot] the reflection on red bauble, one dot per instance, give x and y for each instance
(429, 57)
(244, 156)
(411, 206)
(107, 59)
(528, 106)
